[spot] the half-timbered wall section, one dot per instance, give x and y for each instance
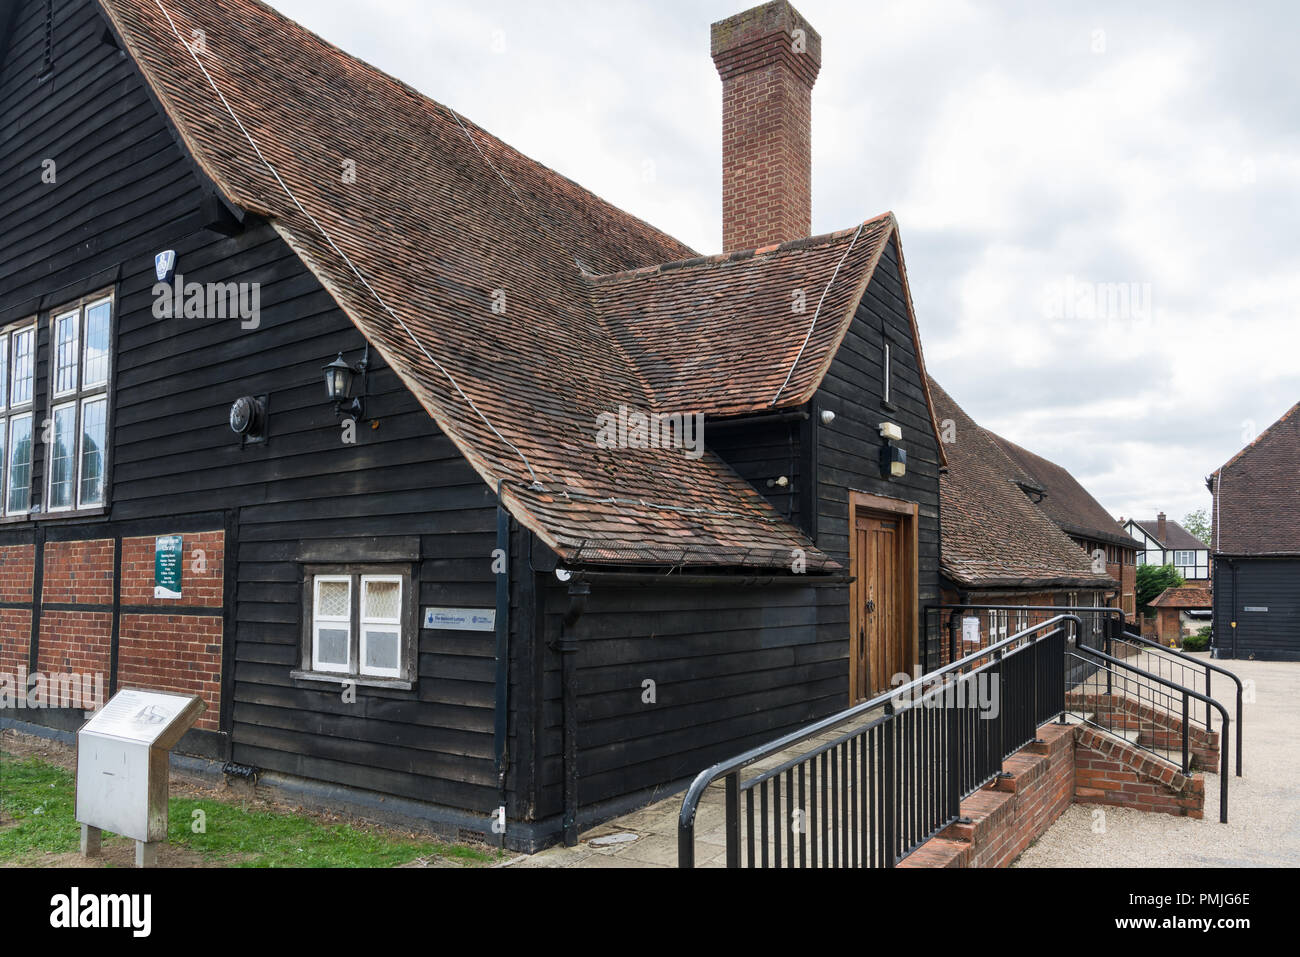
(254, 517)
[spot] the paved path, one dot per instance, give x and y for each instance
(1263, 828)
(648, 837)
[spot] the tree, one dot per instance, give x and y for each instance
(1198, 523)
(1151, 581)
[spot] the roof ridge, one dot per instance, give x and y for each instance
(1256, 440)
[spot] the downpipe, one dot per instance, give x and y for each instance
(501, 753)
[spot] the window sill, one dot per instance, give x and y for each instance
(69, 513)
(361, 681)
(42, 517)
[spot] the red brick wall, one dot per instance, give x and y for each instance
(17, 567)
(179, 653)
(201, 578)
(1109, 771)
(1007, 817)
(78, 573)
(76, 641)
(15, 639)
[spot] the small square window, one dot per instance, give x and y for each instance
(359, 622)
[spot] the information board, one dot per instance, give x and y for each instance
(168, 560)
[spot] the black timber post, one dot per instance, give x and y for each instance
(568, 647)
(38, 585)
(809, 440)
(528, 684)
(501, 724)
(115, 637)
(229, 626)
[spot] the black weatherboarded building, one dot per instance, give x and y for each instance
(1257, 547)
(456, 594)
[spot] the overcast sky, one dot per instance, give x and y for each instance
(1033, 157)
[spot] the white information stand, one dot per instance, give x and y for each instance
(123, 755)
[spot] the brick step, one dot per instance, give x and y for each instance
(1111, 770)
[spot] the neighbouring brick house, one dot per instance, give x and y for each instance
(1181, 612)
(1257, 546)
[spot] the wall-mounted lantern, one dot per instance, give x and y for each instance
(341, 383)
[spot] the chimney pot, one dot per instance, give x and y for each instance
(768, 58)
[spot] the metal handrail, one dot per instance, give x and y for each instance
(1186, 692)
(1209, 667)
(690, 803)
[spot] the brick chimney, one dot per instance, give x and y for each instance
(768, 58)
(1160, 527)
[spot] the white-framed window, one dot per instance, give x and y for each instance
(381, 625)
(80, 337)
(17, 388)
(359, 621)
(998, 623)
(1184, 558)
(331, 624)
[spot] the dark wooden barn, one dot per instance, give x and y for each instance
(1256, 554)
(506, 576)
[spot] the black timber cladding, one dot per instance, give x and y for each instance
(732, 665)
(124, 192)
(1262, 595)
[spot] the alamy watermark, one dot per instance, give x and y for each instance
(45, 690)
(213, 300)
(1080, 299)
(634, 429)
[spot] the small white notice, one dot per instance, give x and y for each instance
(1256, 608)
(970, 631)
(461, 619)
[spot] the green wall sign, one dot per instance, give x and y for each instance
(168, 558)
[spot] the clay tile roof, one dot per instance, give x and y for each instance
(1186, 597)
(1067, 503)
(991, 533)
(443, 221)
(1257, 494)
(721, 334)
(1176, 537)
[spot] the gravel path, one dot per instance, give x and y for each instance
(1263, 828)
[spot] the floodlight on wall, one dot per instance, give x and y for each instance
(893, 461)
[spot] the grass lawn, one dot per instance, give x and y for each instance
(36, 820)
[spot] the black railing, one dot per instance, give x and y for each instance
(870, 794)
(1185, 670)
(1115, 673)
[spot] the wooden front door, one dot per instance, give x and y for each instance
(883, 597)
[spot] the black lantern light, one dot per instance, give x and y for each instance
(340, 380)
